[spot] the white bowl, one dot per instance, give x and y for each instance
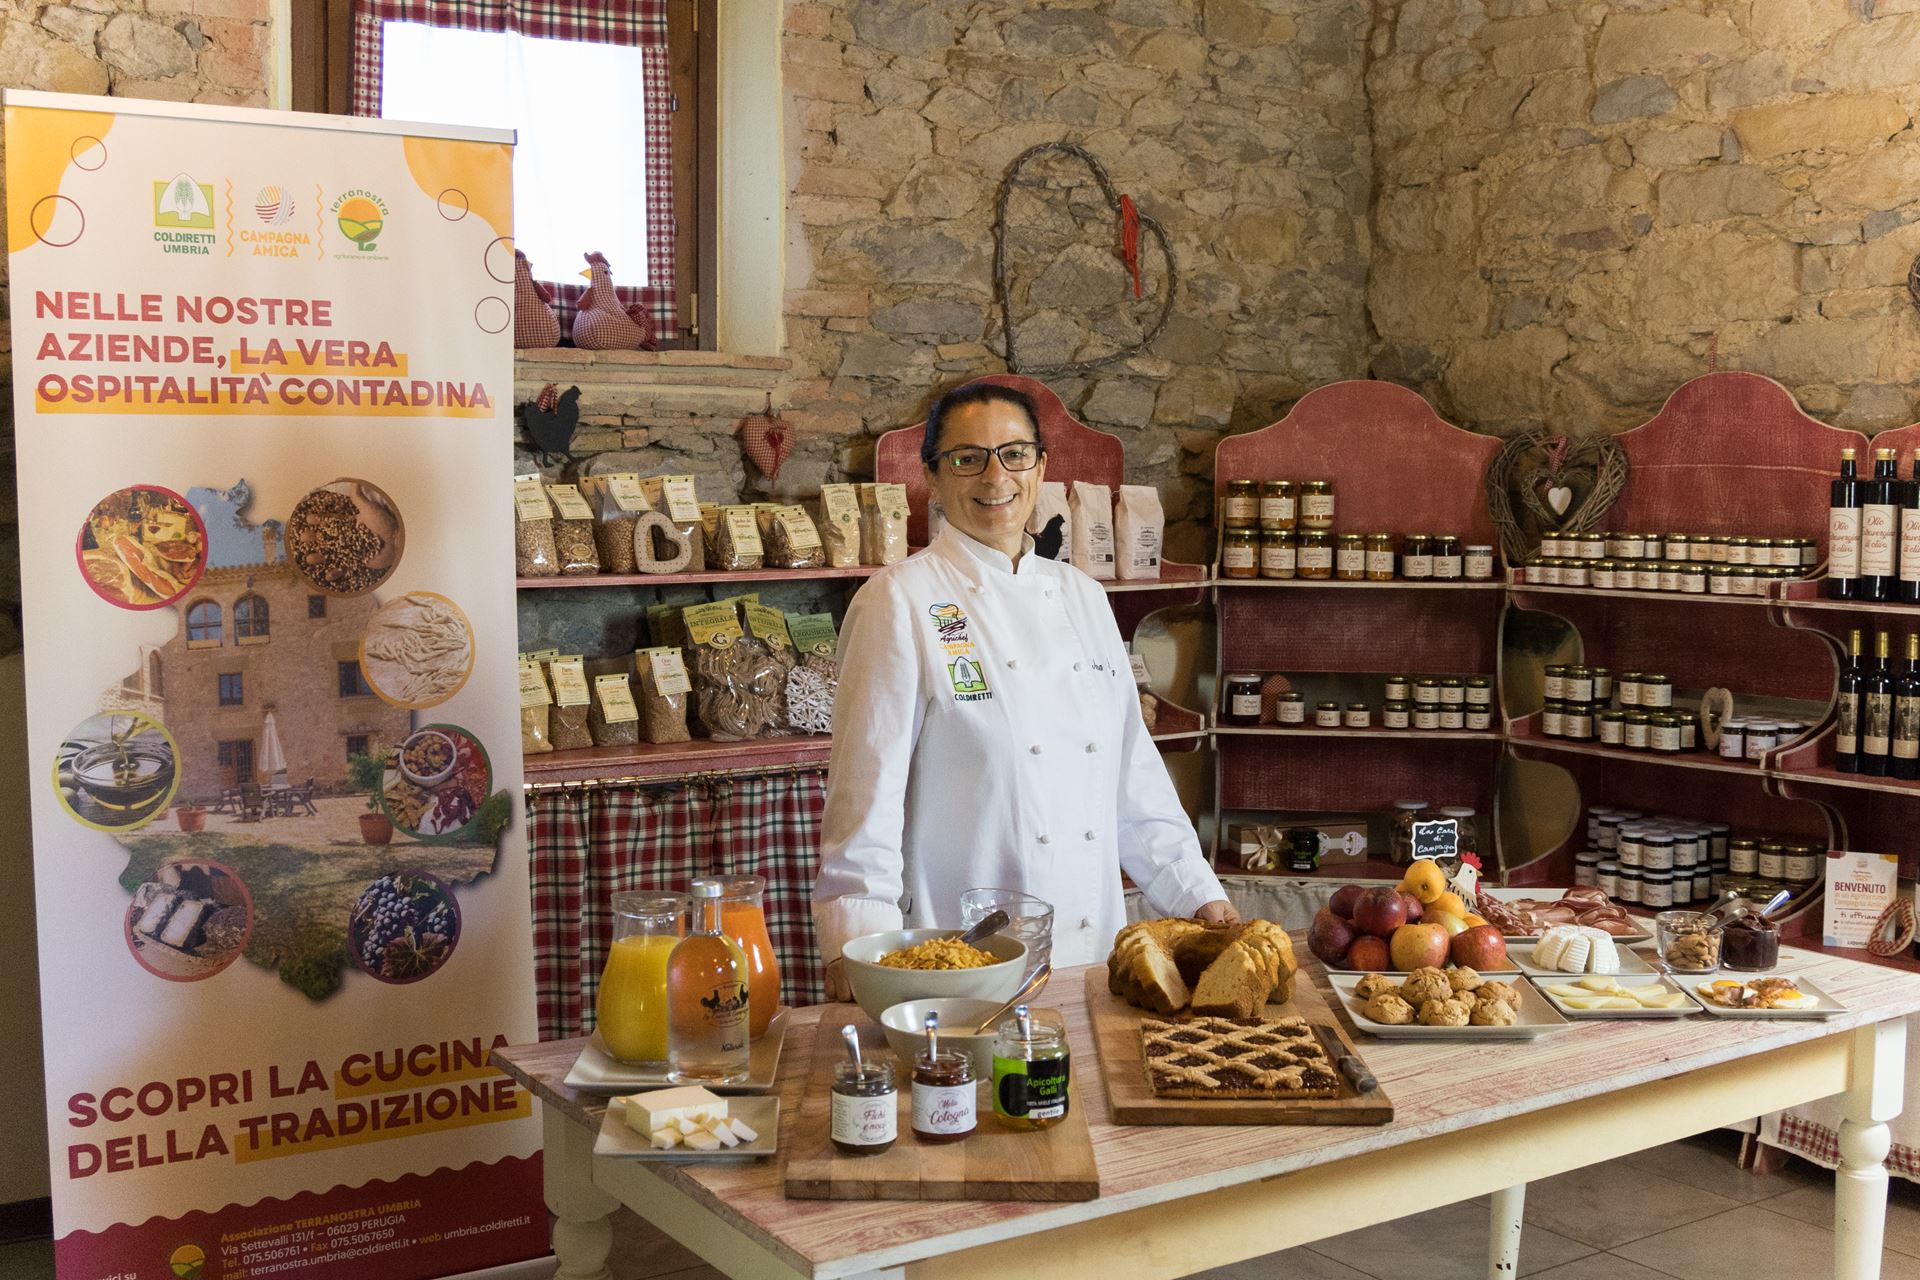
(905, 1025)
(877, 988)
(428, 781)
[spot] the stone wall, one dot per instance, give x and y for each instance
(1577, 202)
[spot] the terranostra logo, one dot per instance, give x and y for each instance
(188, 1262)
(183, 215)
(273, 206)
(362, 215)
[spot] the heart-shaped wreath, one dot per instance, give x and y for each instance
(1131, 223)
(1567, 485)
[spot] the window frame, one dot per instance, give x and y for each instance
(316, 608)
(252, 599)
(220, 688)
(218, 625)
(362, 687)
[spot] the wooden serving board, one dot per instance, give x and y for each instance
(1116, 1027)
(997, 1162)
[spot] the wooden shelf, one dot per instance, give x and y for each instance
(1398, 584)
(675, 759)
(1388, 735)
(1827, 776)
(1655, 597)
(1174, 576)
(1376, 870)
(693, 579)
(1522, 734)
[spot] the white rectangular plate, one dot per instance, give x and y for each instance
(1623, 939)
(1821, 1006)
(1521, 953)
(1536, 1017)
(762, 1115)
(1507, 974)
(597, 1071)
(1686, 1010)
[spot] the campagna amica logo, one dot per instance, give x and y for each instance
(362, 216)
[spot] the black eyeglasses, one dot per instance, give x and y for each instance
(971, 460)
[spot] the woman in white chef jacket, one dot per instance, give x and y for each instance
(987, 732)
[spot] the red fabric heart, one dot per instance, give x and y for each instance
(768, 441)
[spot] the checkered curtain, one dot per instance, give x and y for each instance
(588, 845)
(640, 23)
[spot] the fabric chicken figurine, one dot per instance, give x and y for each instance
(534, 323)
(602, 324)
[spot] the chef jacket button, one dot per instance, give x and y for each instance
(1093, 835)
(1092, 747)
(1013, 662)
(1043, 839)
(1035, 748)
(1086, 922)
(1076, 666)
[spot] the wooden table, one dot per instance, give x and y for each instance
(1471, 1119)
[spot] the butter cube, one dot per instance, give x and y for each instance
(665, 1139)
(721, 1130)
(661, 1108)
(743, 1131)
(701, 1140)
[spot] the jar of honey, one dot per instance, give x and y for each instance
(1380, 557)
(1032, 1070)
(1350, 558)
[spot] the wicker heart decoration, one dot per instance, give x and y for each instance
(767, 441)
(1567, 485)
(1128, 222)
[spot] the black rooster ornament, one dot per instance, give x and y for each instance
(551, 418)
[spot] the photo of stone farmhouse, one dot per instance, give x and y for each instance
(255, 637)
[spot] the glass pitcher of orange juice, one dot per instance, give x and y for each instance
(743, 917)
(632, 1007)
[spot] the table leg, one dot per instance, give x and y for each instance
(1877, 1076)
(1503, 1250)
(583, 1236)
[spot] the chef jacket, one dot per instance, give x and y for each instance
(987, 734)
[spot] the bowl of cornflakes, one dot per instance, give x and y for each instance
(898, 965)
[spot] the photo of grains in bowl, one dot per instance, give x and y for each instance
(116, 771)
(436, 781)
(346, 537)
(418, 650)
(404, 927)
(190, 921)
(142, 547)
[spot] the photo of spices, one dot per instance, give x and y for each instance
(116, 771)
(446, 809)
(404, 927)
(417, 650)
(345, 537)
(142, 547)
(190, 921)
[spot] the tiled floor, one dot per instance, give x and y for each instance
(1680, 1212)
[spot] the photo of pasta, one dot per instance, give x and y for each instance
(189, 921)
(142, 547)
(417, 650)
(436, 782)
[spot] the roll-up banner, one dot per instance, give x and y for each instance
(262, 374)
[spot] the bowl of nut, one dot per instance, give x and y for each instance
(1689, 941)
(427, 758)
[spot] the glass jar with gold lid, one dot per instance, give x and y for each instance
(1350, 558)
(1241, 509)
(1380, 558)
(1277, 554)
(1240, 552)
(1316, 504)
(1279, 507)
(1315, 556)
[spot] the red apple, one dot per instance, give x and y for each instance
(1481, 947)
(1329, 937)
(1380, 911)
(1369, 954)
(1345, 898)
(1418, 946)
(1416, 910)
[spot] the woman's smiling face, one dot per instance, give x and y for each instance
(991, 507)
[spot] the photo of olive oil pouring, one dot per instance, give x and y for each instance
(116, 771)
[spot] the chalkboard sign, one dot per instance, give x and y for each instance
(1437, 839)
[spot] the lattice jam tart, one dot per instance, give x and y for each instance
(1236, 1058)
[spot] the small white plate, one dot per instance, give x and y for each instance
(1535, 1017)
(597, 1071)
(1631, 962)
(1821, 1006)
(1622, 939)
(1686, 1010)
(762, 1115)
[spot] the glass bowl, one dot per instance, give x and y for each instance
(1689, 941)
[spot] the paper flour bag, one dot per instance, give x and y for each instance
(1091, 506)
(1138, 526)
(1051, 523)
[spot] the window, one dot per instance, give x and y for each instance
(203, 624)
(352, 683)
(356, 745)
(316, 606)
(250, 620)
(156, 687)
(237, 756)
(233, 689)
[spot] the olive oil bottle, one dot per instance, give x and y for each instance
(1876, 710)
(1905, 761)
(1846, 738)
(1843, 531)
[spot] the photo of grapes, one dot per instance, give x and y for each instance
(404, 927)
(142, 547)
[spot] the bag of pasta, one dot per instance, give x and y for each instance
(675, 496)
(840, 524)
(737, 544)
(815, 678)
(572, 703)
(664, 687)
(792, 541)
(618, 505)
(534, 553)
(737, 685)
(535, 702)
(883, 523)
(614, 719)
(573, 532)
(768, 626)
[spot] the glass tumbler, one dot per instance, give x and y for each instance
(743, 917)
(631, 1009)
(1029, 919)
(1689, 941)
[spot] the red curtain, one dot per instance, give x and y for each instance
(588, 845)
(638, 23)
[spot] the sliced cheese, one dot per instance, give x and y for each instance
(662, 1108)
(743, 1131)
(665, 1139)
(1604, 956)
(720, 1129)
(701, 1140)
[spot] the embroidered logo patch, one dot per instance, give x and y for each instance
(964, 672)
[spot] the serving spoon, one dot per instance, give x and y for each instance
(991, 923)
(1031, 987)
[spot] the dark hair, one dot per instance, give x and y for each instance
(974, 393)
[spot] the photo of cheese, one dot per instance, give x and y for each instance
(190, 921)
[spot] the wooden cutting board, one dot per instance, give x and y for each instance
(1116, 1028)
(998, 1162)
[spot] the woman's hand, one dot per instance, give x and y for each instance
(1219, 911)
(838, 988)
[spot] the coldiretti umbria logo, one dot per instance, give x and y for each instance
(183, 215)
(362, 215)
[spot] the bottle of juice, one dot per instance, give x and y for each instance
(744, 919)
(632, 1006)
(707, 999)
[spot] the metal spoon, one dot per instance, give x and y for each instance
(1031, 987)
(993, 922)
(851, 1035)
(1774, 903)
